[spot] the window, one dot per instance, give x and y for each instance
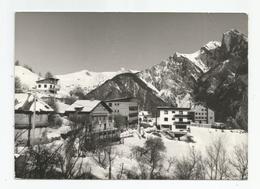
(165, 112)
(181, 112)
(173, 112)
(180, 119)
(39, 86)
(173, 118)
(45, 86)
(166, 119)
(181, 127)
(110, 104)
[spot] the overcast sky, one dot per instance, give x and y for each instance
(69, 42)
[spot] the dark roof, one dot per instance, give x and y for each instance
(46, 79)
(124, 99)
(171, 108)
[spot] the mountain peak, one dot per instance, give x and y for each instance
(232, 39)
(212, 45)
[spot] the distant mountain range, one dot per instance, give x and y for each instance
(215, 74)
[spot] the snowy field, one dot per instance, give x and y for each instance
(202, 137)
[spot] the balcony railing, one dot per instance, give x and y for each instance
(183, 122)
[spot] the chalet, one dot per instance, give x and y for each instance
(203, 114)
(173, 118)
(25, 105)
(127, 107)
(96, 111)
(47, 85)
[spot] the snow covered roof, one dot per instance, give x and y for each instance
(25, 102)
(86, 105)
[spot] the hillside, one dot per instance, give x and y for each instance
(128, 85)
(225, 86)
(27, 77)
(175, 78)
(216, 74)
(85, 79)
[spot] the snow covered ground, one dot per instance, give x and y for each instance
(123, 156)
(202, 136)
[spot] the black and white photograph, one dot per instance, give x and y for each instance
(131, 96)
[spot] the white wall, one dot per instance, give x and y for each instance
(170, 115)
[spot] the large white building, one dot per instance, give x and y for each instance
(173, 118)
(203, 114)
(127, 107)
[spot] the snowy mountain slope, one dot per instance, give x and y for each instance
(176, 77)
(26, 77)
(85, 79)
(128, 85)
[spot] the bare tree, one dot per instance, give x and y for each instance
(150, 157)
(99, 155)
(17, 85)
(111, 154)
(190, 166)
(239, 161)
(217, 162)
(119, 176)
(171, 162)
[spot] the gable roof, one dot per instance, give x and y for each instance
(47, 80)
(86, 106)
(24, 102)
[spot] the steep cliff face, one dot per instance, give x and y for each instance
(128, 85)
(225, 86)
(216, 74)
(176, 77)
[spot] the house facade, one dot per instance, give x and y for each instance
(127, 107)
(25, 105)
(95, 112)
(48, 85)
(173, 118)
(203, 114)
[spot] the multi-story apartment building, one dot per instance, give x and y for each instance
(127, 107)
(173, 118)
(203, 114)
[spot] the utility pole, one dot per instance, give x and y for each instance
(34, 116)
